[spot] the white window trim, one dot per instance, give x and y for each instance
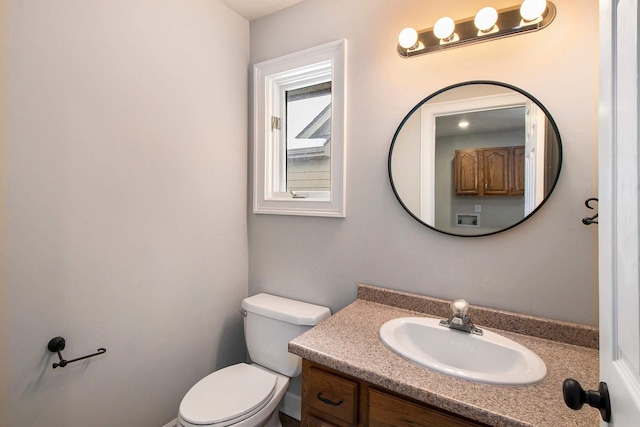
(271, 78)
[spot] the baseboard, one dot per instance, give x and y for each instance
(172, 423)
(291, 405)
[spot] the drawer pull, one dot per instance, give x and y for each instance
(327, 401)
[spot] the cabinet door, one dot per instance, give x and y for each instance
(517, 171)
(467, 172)
(386, 410)
(332, 398)
(496, 171)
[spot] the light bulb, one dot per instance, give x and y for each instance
(463, 124)
(486, 18)
(408, 38)
(444, 28)
(532, 9)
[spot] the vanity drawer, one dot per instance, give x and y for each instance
(317, 422)
(333, 397)
(386, 410)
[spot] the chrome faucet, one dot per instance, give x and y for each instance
(459, 319)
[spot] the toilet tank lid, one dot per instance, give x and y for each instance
(285, 309)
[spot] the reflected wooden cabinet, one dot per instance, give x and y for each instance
(467, 172)
(333, 399)
(497, 171)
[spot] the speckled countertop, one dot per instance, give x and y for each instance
(348, 342)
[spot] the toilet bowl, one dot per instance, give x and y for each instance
(240, 395)
(244, 395)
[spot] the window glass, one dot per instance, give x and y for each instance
(308, 138)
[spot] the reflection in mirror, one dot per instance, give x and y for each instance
(475, 159)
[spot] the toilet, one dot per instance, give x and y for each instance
(249, 395)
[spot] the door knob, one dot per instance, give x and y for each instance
(575, 397)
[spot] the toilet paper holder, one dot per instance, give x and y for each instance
(57, 344)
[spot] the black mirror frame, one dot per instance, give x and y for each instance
(467, 83)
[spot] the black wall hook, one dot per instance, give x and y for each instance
(57, 344)
(592, 219)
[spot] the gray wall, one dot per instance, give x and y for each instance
(546, 266)
(123, 205)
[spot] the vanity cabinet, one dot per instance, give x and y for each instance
(497, 171)
(333, 399)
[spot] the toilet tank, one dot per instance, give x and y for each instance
(271, 322)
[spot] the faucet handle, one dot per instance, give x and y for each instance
(460, 307)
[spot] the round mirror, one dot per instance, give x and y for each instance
(475, 159)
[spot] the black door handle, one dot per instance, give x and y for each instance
(575, 397)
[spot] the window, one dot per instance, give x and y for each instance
(299, 133)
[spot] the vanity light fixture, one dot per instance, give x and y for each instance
(488, 24)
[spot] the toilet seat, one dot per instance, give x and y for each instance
(228, 396)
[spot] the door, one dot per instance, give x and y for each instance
(535, 143)
(619, 235)
(516, 173)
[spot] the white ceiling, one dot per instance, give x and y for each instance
(254, 9)
(496, 120)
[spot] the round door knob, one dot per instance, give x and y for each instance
(575, 396)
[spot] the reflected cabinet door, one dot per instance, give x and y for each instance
(496, 171)
(467, 171)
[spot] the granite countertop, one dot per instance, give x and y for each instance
(348, 342)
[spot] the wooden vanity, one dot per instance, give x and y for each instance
(330, 398)
(350, 378)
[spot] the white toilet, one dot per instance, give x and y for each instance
(245, 395)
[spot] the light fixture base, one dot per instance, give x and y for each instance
(510, 23)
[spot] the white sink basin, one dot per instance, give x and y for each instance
(489, 359)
